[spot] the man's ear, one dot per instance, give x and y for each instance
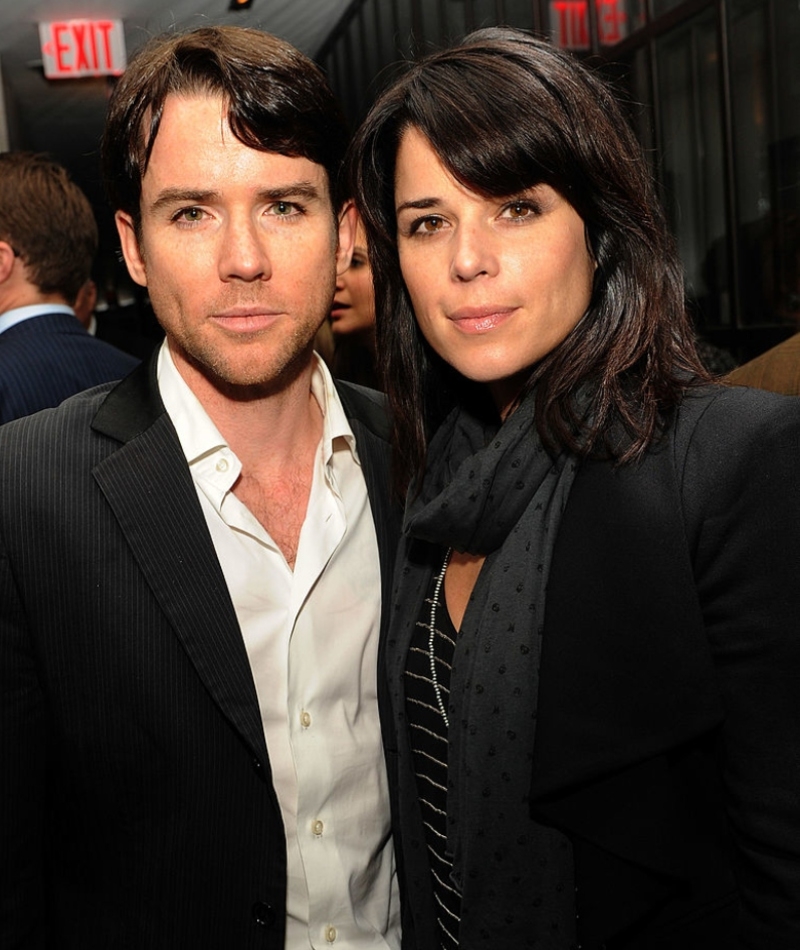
(7, 258)
(348, 218)
(130, 247)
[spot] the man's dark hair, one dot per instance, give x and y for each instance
(277, 100)
(48, 221)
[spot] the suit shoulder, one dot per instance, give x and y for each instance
(726, 437)
(725, 412)
(49, 426)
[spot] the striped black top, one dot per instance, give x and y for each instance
(429, 744)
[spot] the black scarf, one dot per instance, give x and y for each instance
(497, 492)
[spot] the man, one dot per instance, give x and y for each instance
(48, 240)
(190, 579)
(777, 370)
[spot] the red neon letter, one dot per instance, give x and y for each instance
(61, 47)
(105, 27)
(79, 36)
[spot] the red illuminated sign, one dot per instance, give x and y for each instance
(569, 20)
(75, 48)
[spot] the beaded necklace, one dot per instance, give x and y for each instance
(432, 636)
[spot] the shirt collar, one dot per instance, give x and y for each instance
(335, 421)
(12, 317)
(198, 435)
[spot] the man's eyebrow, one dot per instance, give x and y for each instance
(170, 197)
(296, 189)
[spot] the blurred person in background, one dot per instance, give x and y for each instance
(353, 320)
(48, 240)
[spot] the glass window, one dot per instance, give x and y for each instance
(455, 20)
(692, 162)
(785, 160)
(518, 13)
(639, 105)
(401, 26)
(617, 19)
(484, 13)
(664, 6)
(431, 17)
(767, 161)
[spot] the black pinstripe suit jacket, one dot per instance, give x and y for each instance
(136, 806)
(46, 359)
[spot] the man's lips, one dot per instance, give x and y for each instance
(246, 319)
(480, 319)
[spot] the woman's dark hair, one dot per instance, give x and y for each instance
(504, 112)
(278, 101)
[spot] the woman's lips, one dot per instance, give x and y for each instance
(339, 309)
(480, 319)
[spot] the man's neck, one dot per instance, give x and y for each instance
(269, 432)
(24, 295)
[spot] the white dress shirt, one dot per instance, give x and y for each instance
(312, 637)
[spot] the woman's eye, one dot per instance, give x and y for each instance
(429, 225)
(519, 209)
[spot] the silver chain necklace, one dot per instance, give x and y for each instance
(432, 637)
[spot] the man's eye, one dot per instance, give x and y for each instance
(189, 214)
(284, 209)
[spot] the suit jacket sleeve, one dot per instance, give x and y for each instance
(742, 505)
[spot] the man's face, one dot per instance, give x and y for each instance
(239, 250)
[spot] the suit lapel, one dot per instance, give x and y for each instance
(149, 487)
(368, 420)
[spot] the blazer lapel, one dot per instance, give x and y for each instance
(626, 670)
(149, 487)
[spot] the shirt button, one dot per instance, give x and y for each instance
(222, 465)
(330, 934)
(317, 827)
(305, 719)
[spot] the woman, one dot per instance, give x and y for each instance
(593, 660)
(353, 319)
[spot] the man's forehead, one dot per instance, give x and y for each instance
(192, 122)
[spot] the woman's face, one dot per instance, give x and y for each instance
(353, 309)
(496, 283)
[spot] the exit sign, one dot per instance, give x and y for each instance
(75, 48)
(569, 20)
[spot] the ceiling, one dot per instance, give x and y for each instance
(65, 116)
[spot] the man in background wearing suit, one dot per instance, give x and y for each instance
(190, 571)
(48, 240)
